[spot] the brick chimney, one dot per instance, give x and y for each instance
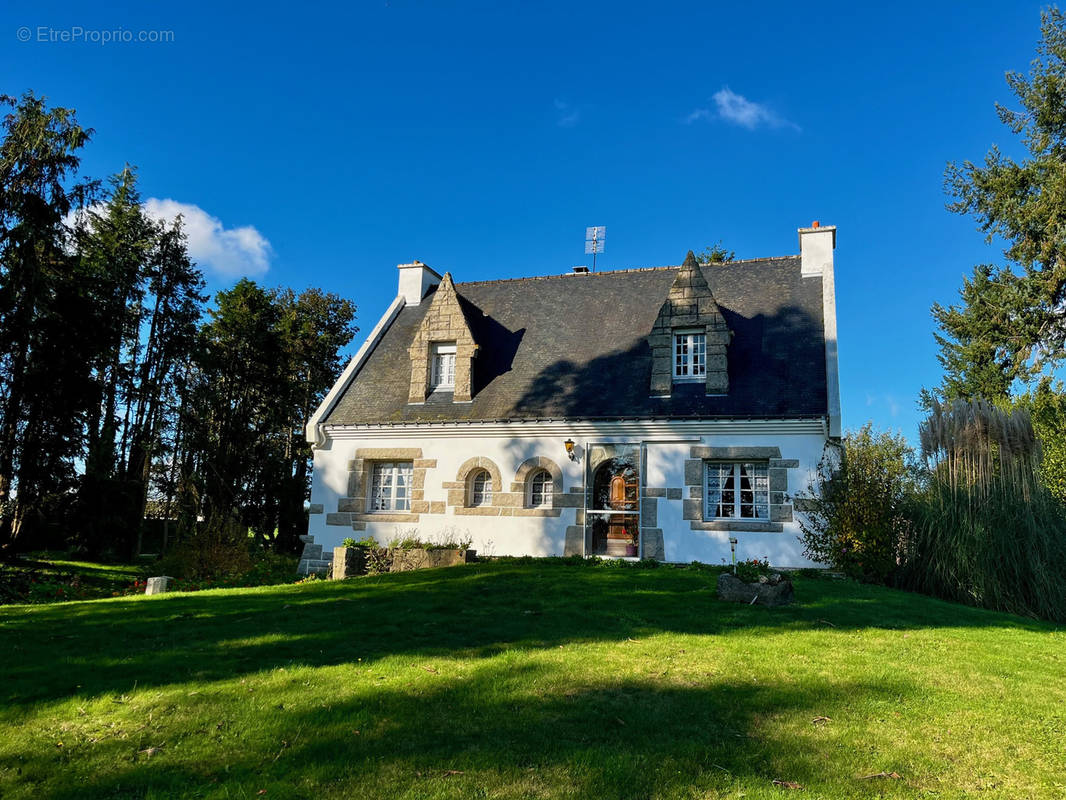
(415, 280)
(816, 248)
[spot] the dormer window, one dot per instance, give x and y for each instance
(690, 355)
(442, 367)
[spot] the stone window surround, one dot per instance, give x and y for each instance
(513, 503)
(352, 509)
(780, 510)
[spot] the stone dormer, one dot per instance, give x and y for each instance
(690, 307)
(444, 326)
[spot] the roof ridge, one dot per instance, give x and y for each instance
(627, 269)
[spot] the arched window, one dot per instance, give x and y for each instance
(481, 488)
(540, 489)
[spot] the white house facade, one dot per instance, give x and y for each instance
(643, 413)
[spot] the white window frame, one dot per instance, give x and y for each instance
(547, 489)
(442, 366)
(716, 475)
(480, 496)
(389, 489)
(689, 354)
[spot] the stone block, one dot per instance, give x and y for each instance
(568, 501)
(778, 480)
(736, 525)
(437, 507)
(339, 518)
(574, 543)
(693, 472)
(781, 513)
(673, 494)
(650, 491)
(158, 584)
(316, 508)
(732, 589)
(356, 504)
(692, 509)
(389, 453)
(652, 543)
(649, 513)
(348, 562)
(787, 463)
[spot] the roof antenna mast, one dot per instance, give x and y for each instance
(595, 237)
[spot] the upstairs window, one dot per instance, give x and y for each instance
(442, 366)
(540, 489)
(481, 489)
(736, 491)
(390, 486)
(690, 355)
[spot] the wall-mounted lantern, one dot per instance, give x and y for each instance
(569, 445)
(733, 547)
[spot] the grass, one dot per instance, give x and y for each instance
(62, 578)
(528, 679)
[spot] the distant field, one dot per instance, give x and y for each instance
(537, 679)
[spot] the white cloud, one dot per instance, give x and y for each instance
(739, 110)
(228, 252)
(568, 116)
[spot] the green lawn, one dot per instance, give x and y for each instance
(519, 679)
(46, 577)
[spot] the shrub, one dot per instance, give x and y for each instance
(749, 571)
(856, 513)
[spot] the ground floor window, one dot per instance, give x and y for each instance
(736, 491)
(540, 489)
(481, 489)
(390, 486)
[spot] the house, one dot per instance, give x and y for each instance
(652, 413)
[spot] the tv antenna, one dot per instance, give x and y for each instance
(595, 237)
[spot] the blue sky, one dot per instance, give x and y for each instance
(320, 146)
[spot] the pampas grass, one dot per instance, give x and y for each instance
(986, 530)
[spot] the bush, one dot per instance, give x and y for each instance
(856, 513)
(749, 571)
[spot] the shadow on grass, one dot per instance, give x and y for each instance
(87, 649)
(502, 731)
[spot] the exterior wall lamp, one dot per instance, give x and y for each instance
(569, 445)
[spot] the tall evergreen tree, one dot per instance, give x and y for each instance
(265, 361)
(45, 335)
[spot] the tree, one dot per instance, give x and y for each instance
(716, 254)
(855, 514)
(264, 362)
(1011, 323)
(46, 331)
(147, 304)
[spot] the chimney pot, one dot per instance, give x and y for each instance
(815, 224)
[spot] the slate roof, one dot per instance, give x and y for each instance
(573, 346)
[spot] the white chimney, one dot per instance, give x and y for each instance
(415, 280)
(816, 248)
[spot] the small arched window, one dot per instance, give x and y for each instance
(540, 488)
(481, 488)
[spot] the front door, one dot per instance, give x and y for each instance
(613, 516)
